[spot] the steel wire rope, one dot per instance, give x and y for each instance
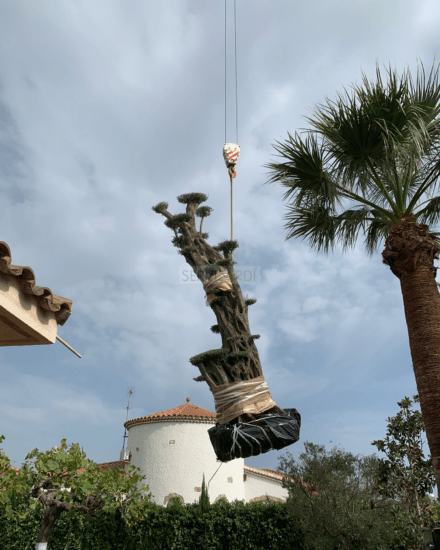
(231, 169)
(236, 81)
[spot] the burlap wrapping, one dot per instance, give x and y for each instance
(219, 281)
(245, 396)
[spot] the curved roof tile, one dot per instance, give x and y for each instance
(191, 413)
(62, 307)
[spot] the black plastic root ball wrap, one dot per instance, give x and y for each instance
(267, 432)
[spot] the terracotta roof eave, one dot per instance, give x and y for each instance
(187, 412)
(62, 307)
(158, 419)
(271, 474)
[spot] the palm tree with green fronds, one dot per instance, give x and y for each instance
(378, 146)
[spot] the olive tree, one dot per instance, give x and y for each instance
(59, 487)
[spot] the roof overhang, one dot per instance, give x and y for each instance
(29, 314)
(22, 321)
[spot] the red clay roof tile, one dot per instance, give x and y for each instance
(183, 411)
(62, 307)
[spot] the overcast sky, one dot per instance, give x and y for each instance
(108, 108)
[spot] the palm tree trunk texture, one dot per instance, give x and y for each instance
(238, 358)
(410, 251)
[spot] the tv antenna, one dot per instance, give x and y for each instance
(129, 393)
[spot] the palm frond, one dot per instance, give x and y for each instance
(377, 232)
(324, 229)
(305, 172)
(430, 214)
(377, 145)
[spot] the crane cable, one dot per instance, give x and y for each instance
(231, 151)
(236, 103)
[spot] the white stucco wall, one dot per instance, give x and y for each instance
(256, 486)
(178, 468)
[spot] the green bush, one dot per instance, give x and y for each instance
(178, 526)
(77, 532)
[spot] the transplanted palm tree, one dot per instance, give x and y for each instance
(379, 146)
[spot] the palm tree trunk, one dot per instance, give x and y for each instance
(410, 252)
(247, 416)
(221, 366)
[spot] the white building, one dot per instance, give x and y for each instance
(173, 450)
